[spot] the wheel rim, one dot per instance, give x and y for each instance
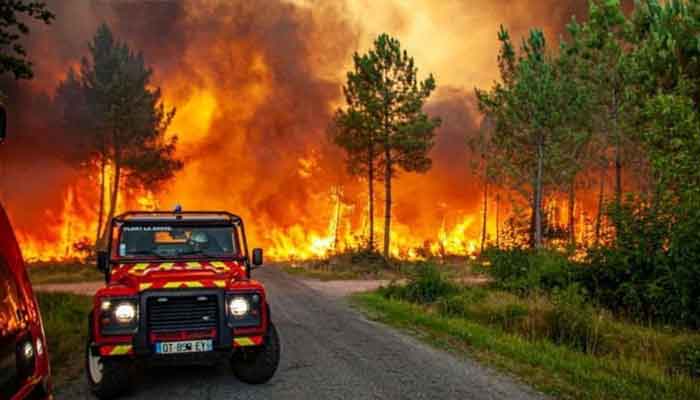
(95, 367)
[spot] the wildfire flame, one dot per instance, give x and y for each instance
(255, 89)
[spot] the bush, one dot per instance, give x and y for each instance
(525, 270)
(426, 285)
(575, 322)
(460, 304)
(685, 358)
(651, 271)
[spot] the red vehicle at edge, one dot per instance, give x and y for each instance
(24, 362)
(178, 290)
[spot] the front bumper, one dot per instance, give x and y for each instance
(142, 343)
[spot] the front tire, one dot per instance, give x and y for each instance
(258, 365)
(107, 377)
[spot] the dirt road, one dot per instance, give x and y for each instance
(330, 351)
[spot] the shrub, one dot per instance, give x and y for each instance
(685, 358)
(460, 304)
(426, 285)
(524, 270)
(651, 271)
(574, 321)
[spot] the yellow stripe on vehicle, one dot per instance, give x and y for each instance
(166, 266)
(244, 341)
(120, 350)
(145, 286)
(218, 264)
(190, 284)
(220, 283)
(140, 266)
(194, 265)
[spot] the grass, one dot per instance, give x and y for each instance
(364, 265)
(65, 323)
(46, 273)
(556, 370)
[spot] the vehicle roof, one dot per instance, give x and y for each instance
(183, 216)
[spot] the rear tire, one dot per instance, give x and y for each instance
(258, 365)
(107, 377)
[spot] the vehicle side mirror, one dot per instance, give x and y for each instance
(3, 124)
(257, 257)
(103, 261)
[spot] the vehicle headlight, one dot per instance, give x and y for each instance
(28, 350)
(125, 313)
(244, 309)
(238, 306)
(119, 316)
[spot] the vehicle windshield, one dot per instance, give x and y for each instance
(175, 241)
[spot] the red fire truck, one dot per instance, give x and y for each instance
(178, 290)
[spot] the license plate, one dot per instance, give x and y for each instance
(187, 346)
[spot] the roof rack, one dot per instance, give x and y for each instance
(178, 216)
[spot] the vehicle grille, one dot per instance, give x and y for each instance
(182, 313)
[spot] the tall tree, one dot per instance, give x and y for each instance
(385, 122)
(13, 55)
(123, 121)
(406, 132)
(484, 163)
(352, 129)
(604, 52)
(534, 108)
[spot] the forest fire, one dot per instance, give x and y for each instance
(254, 92)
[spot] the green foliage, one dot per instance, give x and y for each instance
(537, 112)
(573, 321)
(685, 358)
(426, 285)
(524, 270)
(460, 304)
(13, 26)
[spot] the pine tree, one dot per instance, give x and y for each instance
(122, 121)
(385, 118)
(536, 108)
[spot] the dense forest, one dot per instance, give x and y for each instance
(616, 100)
(609, 112)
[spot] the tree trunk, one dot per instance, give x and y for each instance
(101, 210)
(618, 153)
(114, 194)
(498, 221)
(370, 173)
(485, 209)
(618, 176)
(572, 209)
(538, 196)
(601, 198)
(387, 203)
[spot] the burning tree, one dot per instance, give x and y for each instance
(385, 122)
(120, 120)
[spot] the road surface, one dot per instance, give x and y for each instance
(330, 351)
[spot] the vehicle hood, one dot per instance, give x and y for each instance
(176, 275)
